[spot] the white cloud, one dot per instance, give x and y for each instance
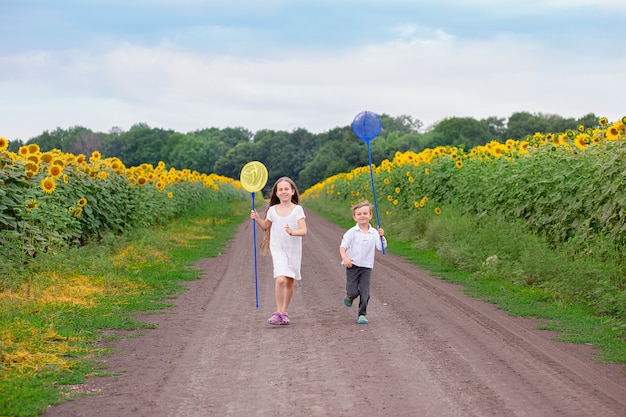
(424, 73)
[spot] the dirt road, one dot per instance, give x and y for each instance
(428, 350)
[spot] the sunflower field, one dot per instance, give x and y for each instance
(50, 200)
(567, 189)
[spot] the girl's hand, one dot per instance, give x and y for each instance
(254, 215)
(288, 230)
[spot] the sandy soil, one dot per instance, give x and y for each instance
(428, 350)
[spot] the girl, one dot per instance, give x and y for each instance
(284, 227)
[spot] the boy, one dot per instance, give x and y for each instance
(357, 252)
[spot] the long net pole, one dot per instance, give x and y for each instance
(256, 274)
(369, 157)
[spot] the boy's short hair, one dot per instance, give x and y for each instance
(363, 203)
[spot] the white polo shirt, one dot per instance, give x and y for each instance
(360, 246)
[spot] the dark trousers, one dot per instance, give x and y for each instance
(358, 285)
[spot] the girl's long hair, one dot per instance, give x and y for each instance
(295, 199)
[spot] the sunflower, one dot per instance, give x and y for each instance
(437, 211)
(78, 212)
(48, 185)
(30, 204)
(395, 202)
(397, 190)
(142, 181)
(95, 156)
(386, 180)
(4, 143)
(32, 166)
(103, 175)
(603, 121)
(170, 195)
(47, 157)
(612, 133)
(581, 128)
(66, 179)
(427, 171)
(416, 204)
(389, 198)
(459, 164)
(33, 148)
(581, 141)
(82, 202)
(23, 151)
(55, 171)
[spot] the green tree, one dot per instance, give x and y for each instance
(196, 153)
(522, 124)
(142, 144)
(459, 131)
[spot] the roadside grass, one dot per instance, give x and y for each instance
(51, 325)
(506, 282)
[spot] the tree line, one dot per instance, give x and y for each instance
(306, 157)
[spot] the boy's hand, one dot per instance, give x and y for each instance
(381, 232)
(347, 262)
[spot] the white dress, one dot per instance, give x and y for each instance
(286, 250)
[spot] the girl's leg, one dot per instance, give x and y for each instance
(287, 294)
(284, 292)
(279, 293)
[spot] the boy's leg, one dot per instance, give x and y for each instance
(364, 290)
(352, 282)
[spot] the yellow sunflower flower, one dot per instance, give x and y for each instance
(437, 211)
(95, 156)
(82, 202)
(4, 143)
(48, 185)
(55, 171)
(581, 141)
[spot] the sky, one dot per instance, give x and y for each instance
(314, 64)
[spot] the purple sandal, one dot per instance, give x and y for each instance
(276, 318)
